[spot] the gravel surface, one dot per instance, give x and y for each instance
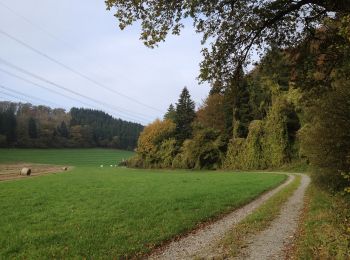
(199, 244)
(270, 243)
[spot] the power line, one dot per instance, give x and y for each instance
(44, 87)
(48, 89)
(66, 89)
(26, 95)
(75, 71)
(53, 36)
(35, 25)
(23, 99)
(13, 96)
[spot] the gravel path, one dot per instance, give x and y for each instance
(198, 244)
(270, 243)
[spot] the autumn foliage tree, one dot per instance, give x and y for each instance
(153, 140)
(211, 113)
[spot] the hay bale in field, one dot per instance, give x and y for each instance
(65, 168)
(25, 171)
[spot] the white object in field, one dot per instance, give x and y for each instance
(101, 165)
(111, 165)
(26, 171)
(65, 168)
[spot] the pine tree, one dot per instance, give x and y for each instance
(185, 114)
(63, 130)
(171, 113)
(32, 129)
(237, 106)
(9, 125)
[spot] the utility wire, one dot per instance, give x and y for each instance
(54, 37)
(30, 102)
(26, 95)
(74, 71)
(49, 89)
(46, 88)
(53, 91)
(65, 88)
(16, 97)
(35, 25)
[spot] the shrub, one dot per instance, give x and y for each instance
(153, 142)
(203, 151)
(325, 140)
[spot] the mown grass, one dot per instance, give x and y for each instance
(259, 220)
(108, 212)
(325, 228)
(74, 157)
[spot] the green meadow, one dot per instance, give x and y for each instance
(72, 157)
(109, 212)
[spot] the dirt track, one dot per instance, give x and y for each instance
(199, 244)
(272, 242)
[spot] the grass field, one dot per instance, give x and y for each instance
(73, 157)
(111, 212)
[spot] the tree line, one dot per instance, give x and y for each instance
(25, 125)
(292, 106)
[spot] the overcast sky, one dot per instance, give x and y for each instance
(85, 37)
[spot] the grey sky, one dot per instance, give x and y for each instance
(90, 42)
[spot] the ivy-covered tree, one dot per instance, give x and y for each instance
(185, 114)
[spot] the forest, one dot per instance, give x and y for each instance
(293, 106)
(29, 126)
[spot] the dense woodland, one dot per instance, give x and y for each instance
(294, 105)
(25, 125)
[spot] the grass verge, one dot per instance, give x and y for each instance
(257, 221)
(324, 231)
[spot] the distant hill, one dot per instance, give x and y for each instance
(26, 125)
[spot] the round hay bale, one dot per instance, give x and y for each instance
(65, 168)
(26, 171)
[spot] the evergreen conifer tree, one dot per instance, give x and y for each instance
(63, 130)
(237, 106)
(171, 113)
(32, 128)
(185, 114)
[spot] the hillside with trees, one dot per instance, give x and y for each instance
(28, 126)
